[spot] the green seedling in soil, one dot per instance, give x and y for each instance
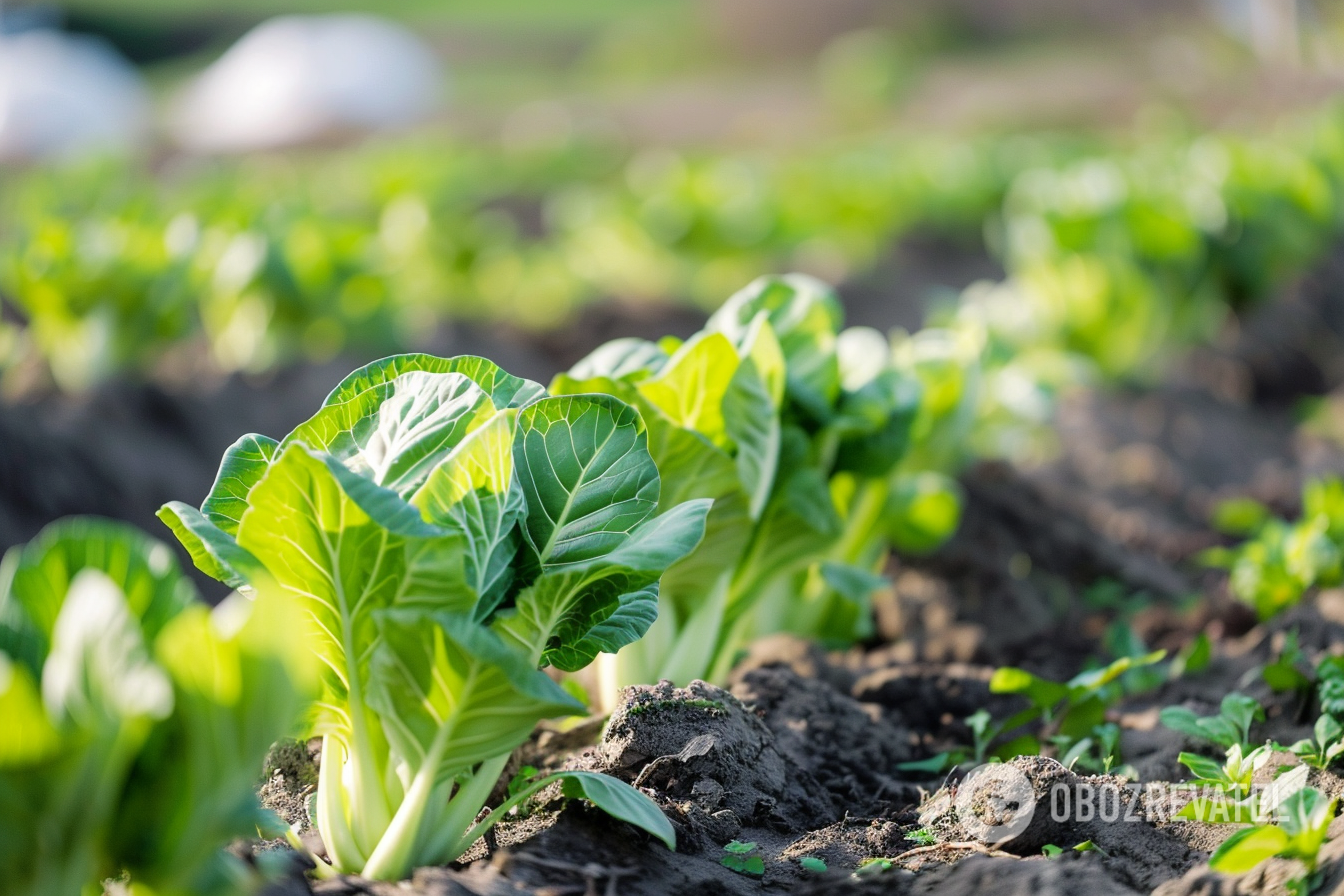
(451, 530)
(1285, 673)
(812, 864)
(1097, 753)
(923, 836)
(135, 718)
(1235, 773)
(803, 436)
(1052, 851)
(1324, 746)
(739, 859)
(1303, 821)
(1072, 709)
(1236, 802)
(1122, 639)
(873, 866)
(1232, 724)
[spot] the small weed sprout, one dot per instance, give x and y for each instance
(923, 836)
(739, 859)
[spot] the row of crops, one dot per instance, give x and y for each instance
(250, 264)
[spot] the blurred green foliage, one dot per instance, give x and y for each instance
(1115, 258)
(1282, 560)
(267, 259)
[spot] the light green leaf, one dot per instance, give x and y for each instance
(751, 408)
(347, 547)
(620, 359)
(475, 490)
(1041, 692)
(214, 551)
(395, 432)
(99, 670)
(1247, 848)
(690, 388)
(504, 389)
(244, 463)
(27, 737)
(241, 680)
(451, 695)
(1306, 811)
(1090, 681)
(805, 316)
(1218, 811)
(619, 800)
(1202, 767)
(586, 473)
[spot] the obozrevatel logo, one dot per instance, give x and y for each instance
(995, 803)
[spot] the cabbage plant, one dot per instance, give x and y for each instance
(452, 530)
(796, 430)
(135, 718)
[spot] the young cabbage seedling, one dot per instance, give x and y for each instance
(1303, 822)
(1232, 724)
(1072, 709)
(1324, 746)
(1233, 776)
(1051, 851)
(133, 718)
(451, 530)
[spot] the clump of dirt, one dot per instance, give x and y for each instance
(846, 745)
(718, 762)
